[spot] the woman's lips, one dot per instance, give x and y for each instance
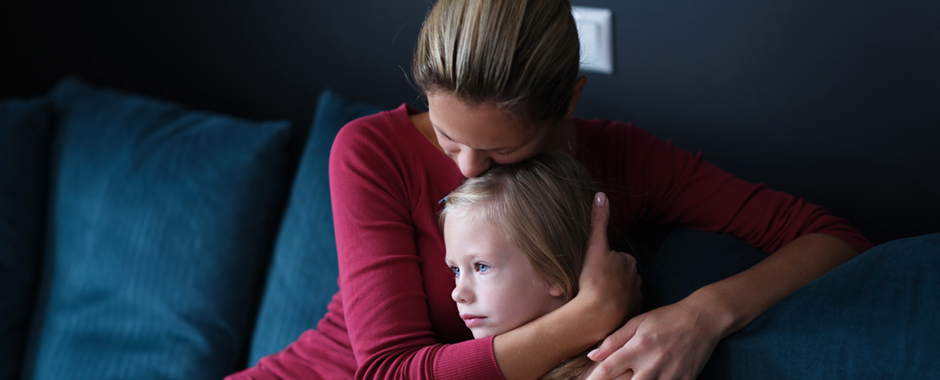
(472, 320)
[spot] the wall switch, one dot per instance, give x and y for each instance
(595, 30)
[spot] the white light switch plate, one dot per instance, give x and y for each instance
(596, 34)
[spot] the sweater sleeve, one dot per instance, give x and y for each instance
(686, 189)
(385, 303)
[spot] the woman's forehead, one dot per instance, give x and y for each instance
(484, 126)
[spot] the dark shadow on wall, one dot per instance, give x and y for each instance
(838, 102)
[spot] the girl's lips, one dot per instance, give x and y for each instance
(472, 320)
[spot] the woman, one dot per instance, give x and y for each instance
(501, 80)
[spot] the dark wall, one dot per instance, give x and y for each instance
(835, 101)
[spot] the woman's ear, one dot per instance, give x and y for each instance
(578, 89)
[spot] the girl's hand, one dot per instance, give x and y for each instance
(609, 280)
(671, 342)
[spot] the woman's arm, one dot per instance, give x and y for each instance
(687, 332)
(676, 340)
(741, 298)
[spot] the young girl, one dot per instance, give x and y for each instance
(515, 240)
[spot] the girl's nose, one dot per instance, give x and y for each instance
(473, 163)
(462, 292)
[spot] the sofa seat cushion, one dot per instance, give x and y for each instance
(25, 128)
(161, 223)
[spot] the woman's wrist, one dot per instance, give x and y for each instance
(716, 312)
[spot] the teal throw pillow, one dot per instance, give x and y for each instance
(304, 270)
(162, 220)
(25, 129)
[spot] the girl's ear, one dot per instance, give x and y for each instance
(555, 290)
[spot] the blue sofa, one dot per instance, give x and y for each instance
(141, 239)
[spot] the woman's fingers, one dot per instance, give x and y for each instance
(617, 362)
(599, 216)
(609, 279)
(616, 340)
(669, 342)
(596, 260)
(628, 375)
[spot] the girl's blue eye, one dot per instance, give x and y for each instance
(482, 268)
(455, 270)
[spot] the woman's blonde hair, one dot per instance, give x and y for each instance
(522, 55)
(542, 204)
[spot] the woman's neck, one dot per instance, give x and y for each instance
(423, 123)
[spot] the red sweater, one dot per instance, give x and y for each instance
(393, 317)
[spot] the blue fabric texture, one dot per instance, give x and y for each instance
(25, 130)
(161, 220)
(874, 317)
(303, 273)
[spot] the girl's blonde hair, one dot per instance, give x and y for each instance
(522, 55)
(542, 204)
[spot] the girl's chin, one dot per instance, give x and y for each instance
(484, 333)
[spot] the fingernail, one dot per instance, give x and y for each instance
(600, 200)
(593, 353)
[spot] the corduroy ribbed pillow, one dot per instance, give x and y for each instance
(162, 220)
(303, 274)
(25, 129)
(874, 317)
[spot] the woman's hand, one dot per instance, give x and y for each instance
(671, 342)
(675, 341)
(609, 280)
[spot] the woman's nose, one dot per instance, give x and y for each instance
(473, 163)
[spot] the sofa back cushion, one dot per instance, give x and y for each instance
(874, 317)
(160, 223)
(304, 270)
(25, 127)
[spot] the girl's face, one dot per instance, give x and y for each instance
(497, 288)
(477, 137)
